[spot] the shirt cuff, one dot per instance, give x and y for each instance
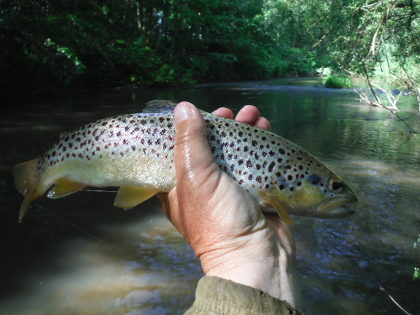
(220, 296)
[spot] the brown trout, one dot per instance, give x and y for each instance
(135, 153)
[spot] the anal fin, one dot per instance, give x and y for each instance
(130, 196)
(64, 187)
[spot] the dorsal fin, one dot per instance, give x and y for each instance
(159, 106)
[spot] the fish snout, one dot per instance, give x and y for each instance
(338, 207)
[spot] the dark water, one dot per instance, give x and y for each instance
(80, 255)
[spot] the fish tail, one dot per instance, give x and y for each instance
(26, 177)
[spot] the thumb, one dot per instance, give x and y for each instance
(193, 158)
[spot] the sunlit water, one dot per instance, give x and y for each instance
(79, 255)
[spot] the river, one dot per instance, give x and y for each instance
(80, 255)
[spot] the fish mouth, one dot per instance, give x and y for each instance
(337, 207)
(333, 208)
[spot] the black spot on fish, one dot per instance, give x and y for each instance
(281, 151)
(258, 179)
(248, 164)
(271, 166)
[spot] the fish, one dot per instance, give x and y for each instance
(134, 152)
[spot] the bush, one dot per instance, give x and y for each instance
(337, 82)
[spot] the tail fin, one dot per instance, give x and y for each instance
(26, 180)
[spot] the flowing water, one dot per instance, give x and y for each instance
(80, 255)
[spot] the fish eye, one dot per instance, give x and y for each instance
(335, 185)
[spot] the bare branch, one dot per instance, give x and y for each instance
(393, 300)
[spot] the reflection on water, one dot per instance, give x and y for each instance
(79, 255)
(131, 269)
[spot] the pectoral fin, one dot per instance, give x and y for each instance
(64, 187)
(272, 200)
(129, 196)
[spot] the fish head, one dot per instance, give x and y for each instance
(321, 194)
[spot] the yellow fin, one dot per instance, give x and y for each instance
(130, 196)
(64, 187)
(26, 179)
(272, 200)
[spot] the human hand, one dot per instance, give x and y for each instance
(220, 220)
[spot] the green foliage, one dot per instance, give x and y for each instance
(416, 274)
(337, 82)
(416, 245)
(60, 44)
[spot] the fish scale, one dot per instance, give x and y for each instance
(135, 152)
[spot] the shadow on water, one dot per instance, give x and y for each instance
(80, 255)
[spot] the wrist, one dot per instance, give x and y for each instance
(261, 265)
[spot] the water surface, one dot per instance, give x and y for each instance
(80, 255)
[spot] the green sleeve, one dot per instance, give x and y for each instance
(219, 296)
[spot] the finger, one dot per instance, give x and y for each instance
(164, 203)
(192, 154)
(249, 114)
(283, 232)
(263, 123)
(223, 112)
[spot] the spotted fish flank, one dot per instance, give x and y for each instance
(135, 152)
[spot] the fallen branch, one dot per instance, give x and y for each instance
(391, 98)
(393, 300)
(377, 102)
